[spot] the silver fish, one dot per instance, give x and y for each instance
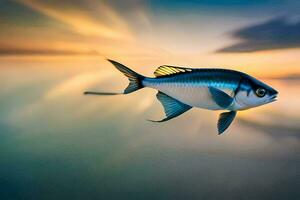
(180, 89)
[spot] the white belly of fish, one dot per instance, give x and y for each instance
(198, 96)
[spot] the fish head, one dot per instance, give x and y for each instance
(252, 93)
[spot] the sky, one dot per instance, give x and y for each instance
(56, 143)
(243, 35)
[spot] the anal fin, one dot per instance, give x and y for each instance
(172, 107)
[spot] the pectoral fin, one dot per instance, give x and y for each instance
(225, 119)
(172, 107)
(220, 97)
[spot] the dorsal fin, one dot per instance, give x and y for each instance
(166, 70)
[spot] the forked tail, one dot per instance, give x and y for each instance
(135, 80)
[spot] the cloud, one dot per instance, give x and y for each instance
(289, 77)
(278, 33)
(74, 27)
(76, 15)
(4, 52)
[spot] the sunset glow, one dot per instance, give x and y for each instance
(138, 34)
(58, 142)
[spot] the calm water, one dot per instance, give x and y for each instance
(59, 144)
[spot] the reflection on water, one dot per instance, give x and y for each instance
(57, 143)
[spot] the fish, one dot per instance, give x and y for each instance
(180, 89)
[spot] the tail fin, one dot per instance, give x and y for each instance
(135, 80)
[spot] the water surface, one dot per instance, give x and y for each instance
(57, 143)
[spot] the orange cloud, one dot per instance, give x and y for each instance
(82, 23)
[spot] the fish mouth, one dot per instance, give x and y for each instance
(273, 98)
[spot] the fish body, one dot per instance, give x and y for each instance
(193, 88)
(180, 89)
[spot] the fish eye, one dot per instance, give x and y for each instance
(260, 92)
